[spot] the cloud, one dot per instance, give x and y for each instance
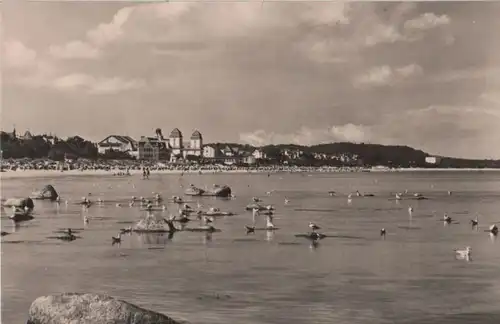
(382, 33)
(17, 55)
(309, 136)
(491, 98)
(96, 38)
(468, 74)
(108, 32)
(427, 21)
(94, 85)
(386, 75)
(368, 30)
(75, 50)
(434, 128)
(296, 63)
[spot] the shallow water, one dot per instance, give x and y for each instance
(410, 277)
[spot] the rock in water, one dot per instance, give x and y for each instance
(79, 308)
(47, 193)
(151, 223)
(20, 203)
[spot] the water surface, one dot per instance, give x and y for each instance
(410, 277)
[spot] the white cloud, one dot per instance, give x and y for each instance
(491, 74)
(105, 33)
(427, 21)
(94, 85)
(96, 38)
(75, 50)
(309, 136)
(491, 98)
(409, 70)
(386, 75)
(382, 33)
(330, 14)
(17, 55)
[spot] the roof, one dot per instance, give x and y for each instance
(122, 138)
(196, 135)
(176, 133)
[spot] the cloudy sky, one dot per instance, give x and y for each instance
(421, 74)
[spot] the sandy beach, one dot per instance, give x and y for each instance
(9, 174)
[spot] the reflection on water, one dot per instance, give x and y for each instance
(354, 276)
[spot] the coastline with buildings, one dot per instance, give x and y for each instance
(116, 154)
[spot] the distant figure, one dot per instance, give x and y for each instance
(382, 233)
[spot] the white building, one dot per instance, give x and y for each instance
(209, 151)
(259, 154)
(432, 160)
(117, 143)
(179, 149)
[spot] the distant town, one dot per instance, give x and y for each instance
(178, 149)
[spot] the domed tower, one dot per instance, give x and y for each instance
(175, 140)
(196, 141)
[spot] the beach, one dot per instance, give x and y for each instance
(33, 173)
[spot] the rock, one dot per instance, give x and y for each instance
(79, 308)
(151, 223)
(20, 203)
(217, 191)
(222, 191)
(47, 193)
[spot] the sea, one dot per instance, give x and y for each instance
(354, 276)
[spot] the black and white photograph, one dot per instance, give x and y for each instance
(249, 162)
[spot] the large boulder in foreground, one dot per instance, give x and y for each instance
(78, 308)
(19, 203)
(47, 193)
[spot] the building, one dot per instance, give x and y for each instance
(176, 143)
(217, 153)
(50, 139)
(258, 154)
(148, 149)
(180, 149)
(154, 148)
(119, 143)
(27, 136)
(210, 151)
(432, 160)
(249, 159)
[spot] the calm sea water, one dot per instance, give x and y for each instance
(410, 277)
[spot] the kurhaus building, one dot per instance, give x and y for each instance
(173, 148)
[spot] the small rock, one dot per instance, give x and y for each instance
(80, 308)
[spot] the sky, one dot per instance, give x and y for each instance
(421, 74)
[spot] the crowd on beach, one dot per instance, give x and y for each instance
(120, 167)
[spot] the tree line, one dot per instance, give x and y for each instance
(38, 147)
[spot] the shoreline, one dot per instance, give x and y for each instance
(9, 174)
